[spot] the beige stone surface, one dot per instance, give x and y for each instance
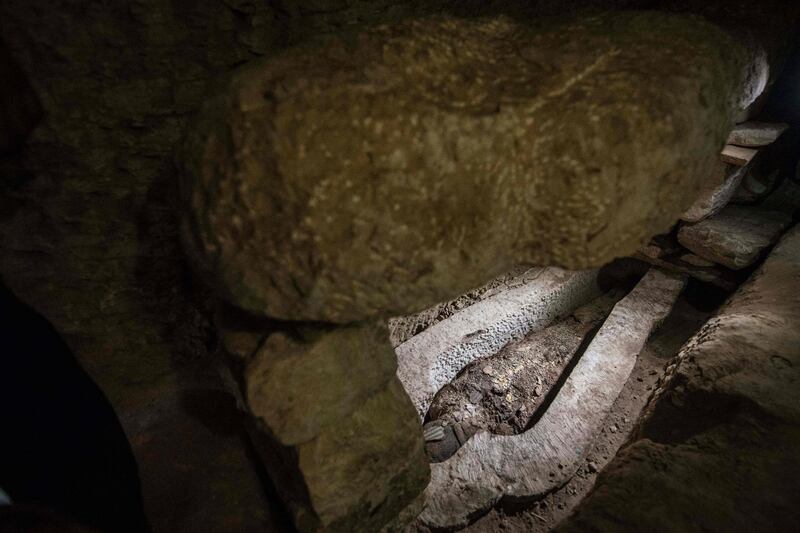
(755, 134)
(381, 175)
(722, 184)
(737, 155)
(736, 236)
(334, 428)
(720, 451)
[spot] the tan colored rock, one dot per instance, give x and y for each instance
(723, 184)
(375, 177)
(403, 328)
(334, 428)
(737, 155)
(736, 236)
(755, 134)
(489, 467)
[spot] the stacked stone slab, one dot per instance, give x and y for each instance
(736, 236)
(347, 181)
(384, 175)
(330, 419)
(428, 361)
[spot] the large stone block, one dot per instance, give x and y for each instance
(382, 174)
(335, 430)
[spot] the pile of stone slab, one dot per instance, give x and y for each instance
(718, 238)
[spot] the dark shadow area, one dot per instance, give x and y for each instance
(63, 447)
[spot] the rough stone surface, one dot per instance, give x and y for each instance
(756, 133)
(720, 450)
(676, 260)
(403, 328)
(723, 184)
(736, 236)
(737, 155)
(696, 260)
(490, 467)
(375, 176)
(428, 361)
(334, 427)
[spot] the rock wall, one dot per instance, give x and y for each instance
(720, 450)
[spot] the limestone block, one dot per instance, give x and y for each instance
(732, 411)
(736, 236)
(543, 458)
(723, 184)
(334, 427)
(378, 175)
(755, 134)
(737, 155)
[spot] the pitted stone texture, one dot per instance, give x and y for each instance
(720, 453)
(403, 328)
(723, 184)
(756, 133)
(736, 236)
(543, 458)
(428, 361)
(383, 174)
(334, 427)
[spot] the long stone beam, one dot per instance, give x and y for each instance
(490, 467)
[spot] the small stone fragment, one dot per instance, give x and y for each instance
(756, 133)
(591, 467)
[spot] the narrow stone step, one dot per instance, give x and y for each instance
(754, 134)
(725, 181)
(736, 236)
(490, 467)
(737, 155)
(428, 361)
(733, 388)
